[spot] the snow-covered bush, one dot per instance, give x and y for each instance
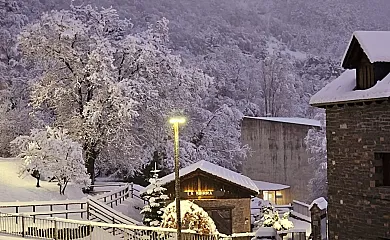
(271, 218)
(192, 216)
(52, 153)
(257, 213)
(155, 196)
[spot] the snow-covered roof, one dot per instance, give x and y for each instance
(267, 186)
(301, 121)
(215, 170)
(375, 44)
(342, 90)
(321, 203)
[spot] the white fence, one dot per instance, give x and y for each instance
(66, 229)
(301, 210)
(25, 219)
(75, 208)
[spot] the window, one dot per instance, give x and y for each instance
(382, 169)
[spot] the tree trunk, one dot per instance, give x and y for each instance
(91, 153)
(62, 188)
(37, 176)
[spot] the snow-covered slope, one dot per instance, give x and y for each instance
(13, 188)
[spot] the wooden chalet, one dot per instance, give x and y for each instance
(224, 194)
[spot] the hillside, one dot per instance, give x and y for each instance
(14, 188)
(264, 57)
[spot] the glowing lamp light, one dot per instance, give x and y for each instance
(177, 120)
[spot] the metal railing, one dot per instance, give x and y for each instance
(58, 229)
(46, 208)
(97, 210)
(67, 207)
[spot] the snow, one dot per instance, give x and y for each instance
(297, 55)
(267, 186)
(301, 121)
(265, 232)
(193, 217)
(321, 203)
(274, 45)
(300, 216)
(342, 90)
(374, 43)
(215, 170)
(13, 188)
(300, 225)
(6, 237)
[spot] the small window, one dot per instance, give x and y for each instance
(382, 169)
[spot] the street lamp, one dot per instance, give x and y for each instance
(175, 121)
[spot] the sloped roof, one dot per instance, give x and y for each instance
(375, 44)
(267, 186)
(320, 202)
(301, 121)
(215, 170)
(341, 90)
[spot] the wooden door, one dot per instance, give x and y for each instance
(222, 218)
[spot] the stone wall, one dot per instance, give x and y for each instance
(358, 209)
(241, 214)
(278, 154)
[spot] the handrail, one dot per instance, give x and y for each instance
(40, 203)
(58, 228)
(97, 206)
(118, 190)
(103, 212)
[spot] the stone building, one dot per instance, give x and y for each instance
(278, 152)
(358, 140)
(224, 194)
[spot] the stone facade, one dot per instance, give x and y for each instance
(240, 211)
(278, 154)
(318, 222)
(358, 208)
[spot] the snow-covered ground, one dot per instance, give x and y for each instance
(131, 207)
(14, 188)
(7, 237)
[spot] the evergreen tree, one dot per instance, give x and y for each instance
(155, 196)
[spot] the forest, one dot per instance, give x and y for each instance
(131, 64)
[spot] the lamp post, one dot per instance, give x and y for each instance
(175, 122)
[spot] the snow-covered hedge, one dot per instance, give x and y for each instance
(193, 217)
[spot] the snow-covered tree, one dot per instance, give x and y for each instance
(52, 153)
(215, 137)
(278, 85)
(155, 197)
(113, 91)
(271, 218)
(82, 82)
(165, 87)
(316, 147)
(14, 111)
(192, 216)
